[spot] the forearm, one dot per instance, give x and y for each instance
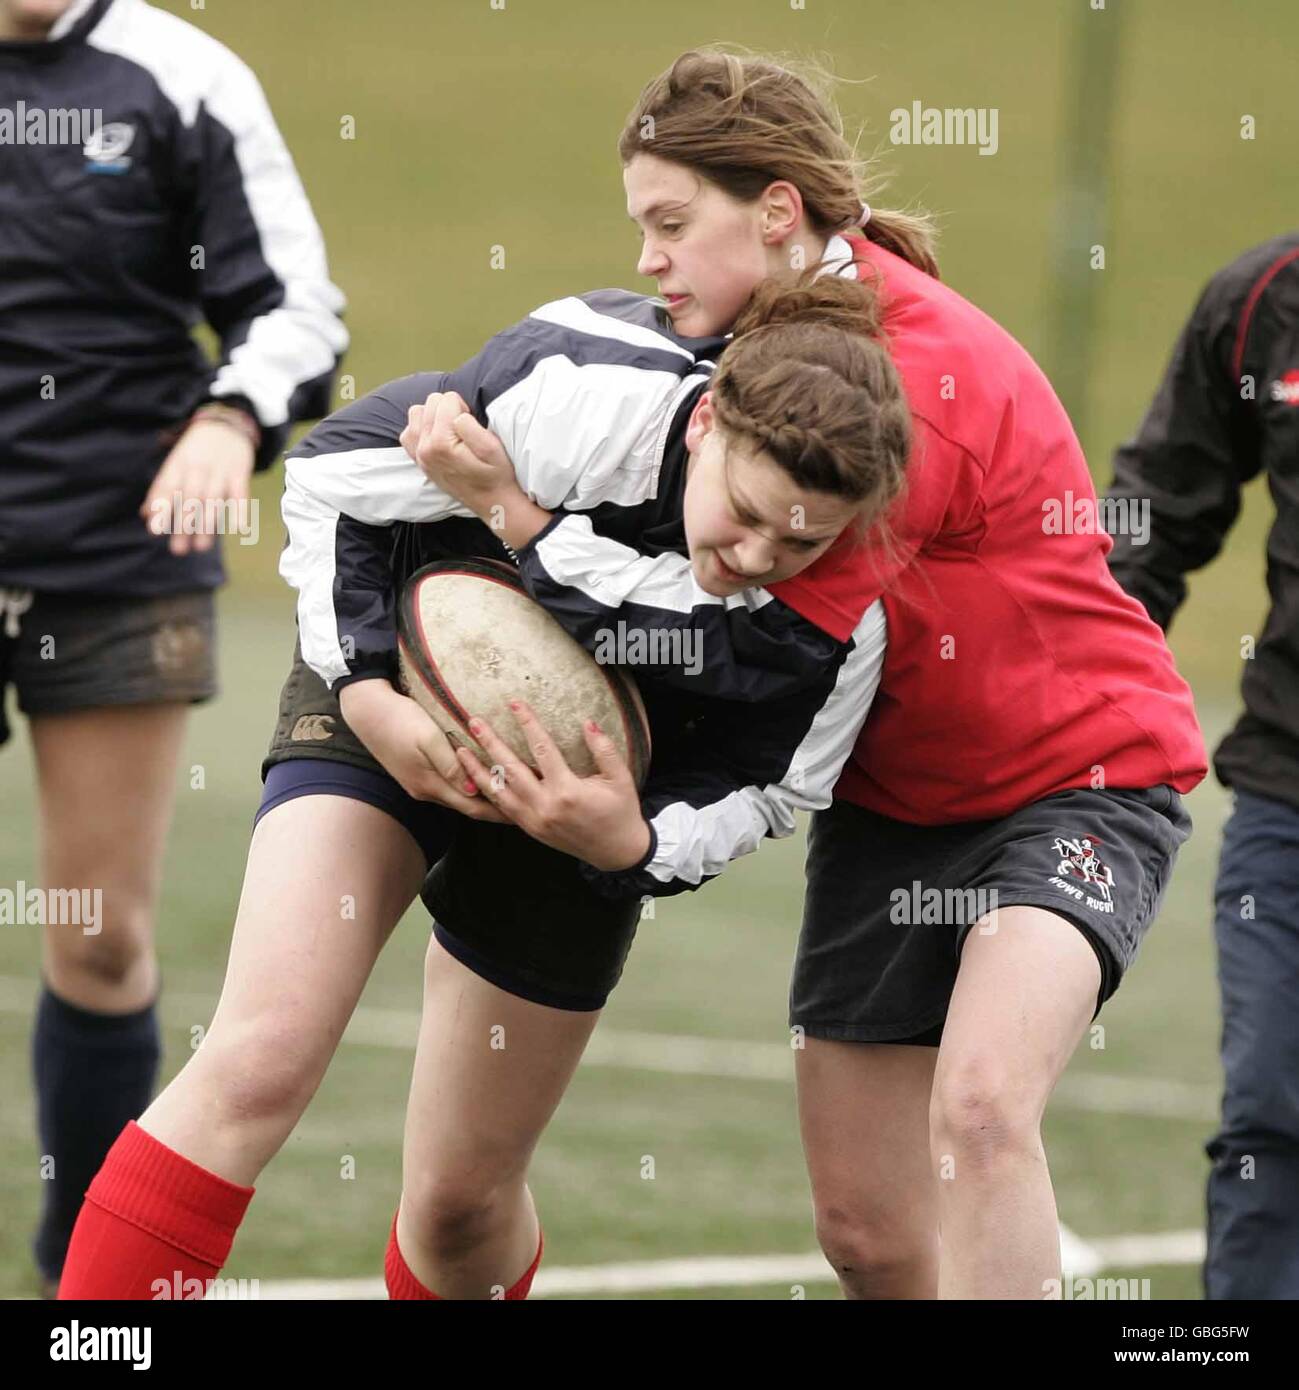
(753, 768)
(513, 516)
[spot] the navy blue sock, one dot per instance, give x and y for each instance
(93, 1073)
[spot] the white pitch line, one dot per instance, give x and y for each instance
(1137, 1095)
(1078, 1258)
(707, 1272)
(724, 1058)
(1142, 1252)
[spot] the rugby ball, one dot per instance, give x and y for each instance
(470, 638)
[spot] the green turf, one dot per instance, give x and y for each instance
(480, 128)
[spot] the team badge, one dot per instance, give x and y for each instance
(105, 151)
(1082, 873)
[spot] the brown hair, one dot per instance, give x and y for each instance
(745, 121)
(807, 381)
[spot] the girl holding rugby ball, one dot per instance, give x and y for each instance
(629, 428)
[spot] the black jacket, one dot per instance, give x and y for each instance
(143, 187)
(1227, 410)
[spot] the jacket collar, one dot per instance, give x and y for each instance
(77, 21)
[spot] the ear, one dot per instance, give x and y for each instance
(782, 211)
(702, 423)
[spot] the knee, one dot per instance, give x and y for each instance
(978, 1118)
(876, 1254)
(453, 1213)
(258, 1072)
(106, 953)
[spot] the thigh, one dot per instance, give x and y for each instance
(105, 682)
(106, 780)
(327, 879)
(490, 1069)
(1025, 993)
(106, 784)
(863, 1110)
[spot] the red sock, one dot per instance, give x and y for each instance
(152, 1224)
(402, 1284)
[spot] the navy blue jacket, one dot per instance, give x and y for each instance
(144, 188)
(1227, 411)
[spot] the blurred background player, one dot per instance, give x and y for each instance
(148, 190)
(1226, 411)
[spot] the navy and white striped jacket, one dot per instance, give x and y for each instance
(590, 396)
(143, 187)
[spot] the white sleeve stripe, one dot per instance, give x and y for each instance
(281, 352)
(583, 433)
(307, 563)
(607, 573)
(374, 486)
(578, 315)
(694, 843)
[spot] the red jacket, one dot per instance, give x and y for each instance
(1016, 666)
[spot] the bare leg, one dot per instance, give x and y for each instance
(490, 1069)
(296, 970)
(864, 1113)
(107, 782)
(1024, 995)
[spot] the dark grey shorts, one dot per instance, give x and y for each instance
(64, 652)
(889, 904)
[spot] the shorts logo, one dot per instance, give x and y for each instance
(313, 728)
(1286, 389)
(179, 648)
(1079, 860)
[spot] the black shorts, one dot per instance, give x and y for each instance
(64, 652)
(514, 911)
(889, 903)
